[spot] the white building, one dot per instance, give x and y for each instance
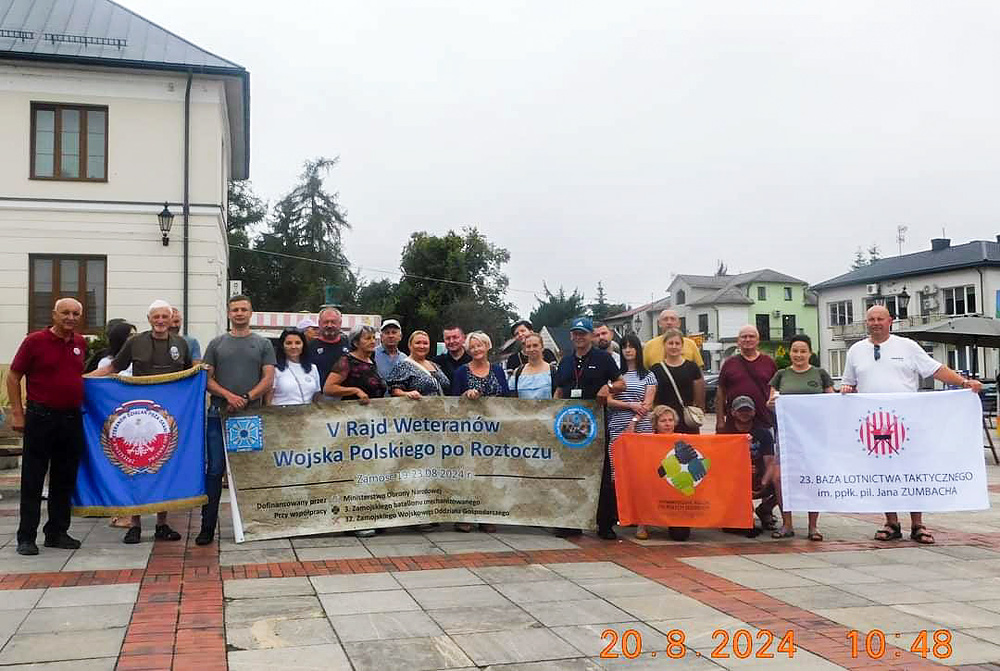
(918, 289)
(105, 117)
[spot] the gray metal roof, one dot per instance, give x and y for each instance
(97, 29)
(971, 254)
(732, 295)
(103, 33)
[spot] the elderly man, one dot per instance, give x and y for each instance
(325, 351)
(387, 354)
(154, 352)
(583, 374)
(521, 330)
(176, 321)
(748, 373)
(454, 356)
(884, 363)
(240, 372)
(309, 328)
(652, 350)
(51, 362)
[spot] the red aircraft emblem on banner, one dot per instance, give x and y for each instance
(139, 437)
(882, 433)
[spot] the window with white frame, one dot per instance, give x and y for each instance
(762, 293)
(896, 310)
(788, 293)
(837, 358)
(841, 313)
(960, 300)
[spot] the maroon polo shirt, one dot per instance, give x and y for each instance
(53, 368)
(740, 377)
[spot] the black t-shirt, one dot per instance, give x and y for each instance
(588, 373)
(151, 356)
(450, 364)
(518, 358)
(326, 355)
(685, 376)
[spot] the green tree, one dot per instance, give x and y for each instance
(439, 271)
(860, 260)
(300, 252)
(602, 309)
(375, 298)
(557, 309)
(245, 214)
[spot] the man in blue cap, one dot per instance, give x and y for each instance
(582, 375)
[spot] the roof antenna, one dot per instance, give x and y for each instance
(901, 237)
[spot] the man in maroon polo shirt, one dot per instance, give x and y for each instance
(51, 361)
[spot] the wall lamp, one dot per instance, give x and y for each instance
(166, 218)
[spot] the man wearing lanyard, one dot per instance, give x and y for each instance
(582, 375)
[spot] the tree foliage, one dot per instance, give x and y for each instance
(860, 260)
(557, 309)
(601, 309)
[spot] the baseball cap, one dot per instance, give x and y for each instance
(520, 322)
(307, 323)
(741, 402)
(582, 324)
(390, 322)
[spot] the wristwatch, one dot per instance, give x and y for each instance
(247, 397)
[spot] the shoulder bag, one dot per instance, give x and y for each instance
(693, 415)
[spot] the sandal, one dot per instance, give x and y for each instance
(641, 534)
(920, 534)
(890, 532)
(815, 536)
(783, 533)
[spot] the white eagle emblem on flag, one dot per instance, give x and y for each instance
(139, 437)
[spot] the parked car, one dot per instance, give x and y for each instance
(989, 398)
(711, 386)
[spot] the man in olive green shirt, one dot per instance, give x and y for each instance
(652, 350)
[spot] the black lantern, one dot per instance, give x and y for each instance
(166, 218)
(902, 300)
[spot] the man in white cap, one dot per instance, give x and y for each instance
(151, 352)
(308, 327)
(387, 354)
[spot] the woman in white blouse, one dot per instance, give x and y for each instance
(296, 379)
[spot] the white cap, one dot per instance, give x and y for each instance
(390, 322)
(157, 304)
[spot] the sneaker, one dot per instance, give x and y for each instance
(364, 533)
(487, 528)
(165, 533)
(27, 548)
(63, 541)
(463, 527)
(204, 537)
(133, 536)
(607, 534)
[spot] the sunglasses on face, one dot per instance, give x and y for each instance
(878, 352)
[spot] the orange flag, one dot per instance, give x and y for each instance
(683, 480)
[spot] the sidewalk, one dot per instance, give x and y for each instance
(518, 600)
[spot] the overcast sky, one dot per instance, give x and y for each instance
(628, 141)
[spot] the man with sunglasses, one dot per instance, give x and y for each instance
(885, 363)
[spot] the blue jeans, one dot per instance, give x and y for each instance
(215, 450)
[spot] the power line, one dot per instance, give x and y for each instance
(400, 273)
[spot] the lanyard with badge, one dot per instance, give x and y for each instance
(576, 391)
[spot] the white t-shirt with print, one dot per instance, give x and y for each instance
(900, 366)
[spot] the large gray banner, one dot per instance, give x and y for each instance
(342, 466)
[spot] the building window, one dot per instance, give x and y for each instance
(762, 293)
(57, 276)
(684, 325)
(891, 304)
(680, 297)
(703, 323)
(763, 324)
(837, 358)
(788, 293)
(841, 313)
(960, 300)
(69, 142)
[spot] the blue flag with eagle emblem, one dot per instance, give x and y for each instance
(145, 444)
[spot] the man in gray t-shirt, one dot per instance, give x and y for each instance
(240, 371)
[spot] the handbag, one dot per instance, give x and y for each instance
(693, 415)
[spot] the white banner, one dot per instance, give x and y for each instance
(873, 453)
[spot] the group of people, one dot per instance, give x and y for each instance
(651, 387)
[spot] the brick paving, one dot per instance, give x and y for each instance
(443, 600)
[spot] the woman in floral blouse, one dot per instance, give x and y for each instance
(356, 378)
(416, 376)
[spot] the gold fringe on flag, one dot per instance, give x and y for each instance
(145, 509)
(156, 379)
